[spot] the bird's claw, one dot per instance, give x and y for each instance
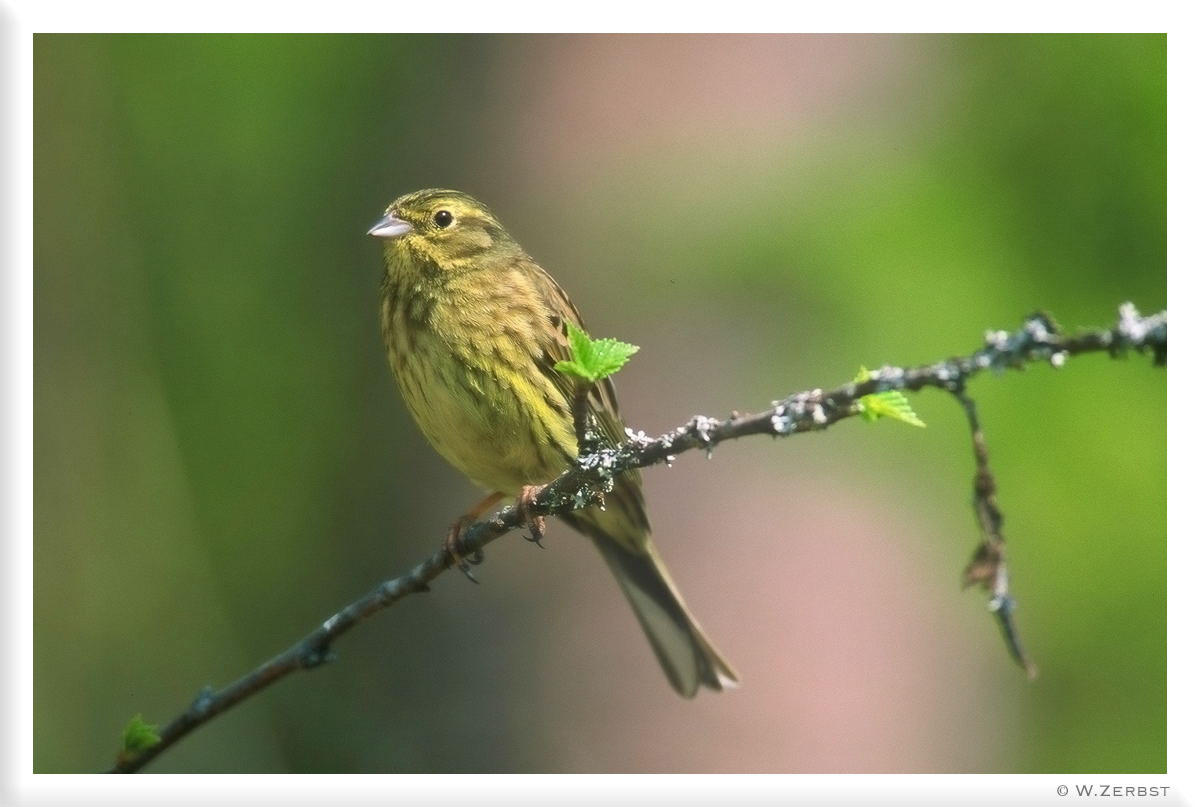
(536, 523)
(454, 548)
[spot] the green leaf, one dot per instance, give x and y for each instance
(594, 359)
(138, 736)
(887, 404)
(581, 345)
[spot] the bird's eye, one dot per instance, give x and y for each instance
(443, 218)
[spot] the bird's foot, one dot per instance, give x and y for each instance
(454, 547)
(537, 524)
(453, 542)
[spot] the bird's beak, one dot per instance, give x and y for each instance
(390, 227)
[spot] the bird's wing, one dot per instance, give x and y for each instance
(625, 519)
(602, 398)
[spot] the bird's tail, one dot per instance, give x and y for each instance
(621, 533)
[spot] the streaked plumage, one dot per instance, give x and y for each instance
(473, 328)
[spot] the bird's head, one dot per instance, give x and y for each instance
(444, 228)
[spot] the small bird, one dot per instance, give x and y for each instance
(473, 329)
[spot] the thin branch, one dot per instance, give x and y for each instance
(989, 566)
(592, 475)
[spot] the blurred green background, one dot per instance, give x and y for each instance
(221, 459)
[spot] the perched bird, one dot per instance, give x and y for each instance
(473, 329)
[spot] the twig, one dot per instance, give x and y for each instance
(989, 566)
(592, 475)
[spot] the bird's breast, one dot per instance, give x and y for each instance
(470, 379)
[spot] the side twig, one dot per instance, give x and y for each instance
(989, 566)
(592, 475)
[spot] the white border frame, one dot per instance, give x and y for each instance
(19, 786)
